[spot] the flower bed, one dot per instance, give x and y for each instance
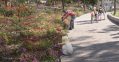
(27, 39)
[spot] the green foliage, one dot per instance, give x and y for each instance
(2, 11)
(48, 59)
(92, 2)
(21, 1)
(25, 13)
(68, 1)
(117, 13)
(9, 13)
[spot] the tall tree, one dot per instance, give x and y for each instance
(63, 5)
(88, 2)
(21, 1)
(114, 7)
(5, 1)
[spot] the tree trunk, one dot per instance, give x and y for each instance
(98, 5)
(62, 5)
(78, 3)
(114, 7)
(84, 7)
(101, 2)
(6, 3)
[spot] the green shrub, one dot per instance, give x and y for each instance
(2, 11)
(25, 13)
(9, 13)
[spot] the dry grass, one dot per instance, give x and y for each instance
(117, 13)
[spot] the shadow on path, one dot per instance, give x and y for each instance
(81, 38)
(82, 22)
(113, 28)
(105, 52)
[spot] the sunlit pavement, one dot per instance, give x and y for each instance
(96, 42)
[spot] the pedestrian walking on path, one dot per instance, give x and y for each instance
(101, 11)
(94, 14)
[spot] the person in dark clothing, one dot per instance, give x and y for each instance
(70, 13)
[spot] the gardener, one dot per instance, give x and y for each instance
(70, 13)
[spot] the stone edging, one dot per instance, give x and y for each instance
(113, 19)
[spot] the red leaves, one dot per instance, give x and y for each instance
(27, 23)
(38, 28)
(30, 17)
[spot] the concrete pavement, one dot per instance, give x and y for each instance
(97, 42)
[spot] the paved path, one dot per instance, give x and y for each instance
(97, 42)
